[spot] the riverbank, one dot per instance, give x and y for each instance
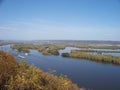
(46, 49)
(23, 76)
(97, 57)
(99, 51)
(83, 72)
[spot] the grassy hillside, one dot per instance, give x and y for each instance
(14, 76)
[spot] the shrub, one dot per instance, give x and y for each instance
(8, 67)
(14, 76)
(97, 57)
(65, 54)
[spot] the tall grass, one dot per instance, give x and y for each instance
(14, 76)
(97, 57)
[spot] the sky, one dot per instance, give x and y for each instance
(60, 20)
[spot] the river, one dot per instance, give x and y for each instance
(85, 73)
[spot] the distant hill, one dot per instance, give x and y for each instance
(64, 41)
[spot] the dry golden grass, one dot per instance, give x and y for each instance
(96, 57)
(14, 76)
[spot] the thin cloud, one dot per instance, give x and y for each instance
(43, 29)
(45, 26)
(6, 28)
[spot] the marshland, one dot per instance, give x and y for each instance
(59, 44)
(66, 60)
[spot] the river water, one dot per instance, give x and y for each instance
(85, 73)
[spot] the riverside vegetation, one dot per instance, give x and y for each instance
(100, 51)
(52, 49)
(97, 57)
(14, 76)
(46, 49)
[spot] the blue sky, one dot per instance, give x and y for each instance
(60, 20)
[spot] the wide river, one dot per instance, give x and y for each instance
(85, 73)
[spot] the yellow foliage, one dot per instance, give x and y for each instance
(14, 76)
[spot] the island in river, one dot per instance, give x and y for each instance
(83, 72)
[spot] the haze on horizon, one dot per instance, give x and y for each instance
(60, 20)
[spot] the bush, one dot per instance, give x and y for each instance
(14, 76)
(65, 54)
(97, 57)
(8, 67)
